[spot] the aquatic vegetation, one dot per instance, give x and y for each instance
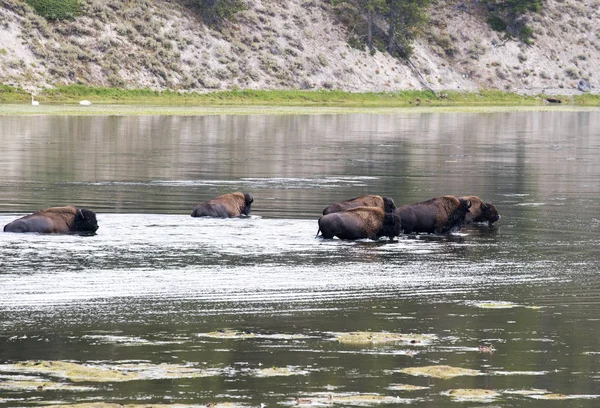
(238, 334)
(278, 371)
(475, 395)
(349, 399)
(555, 396)
(112, 405)
(383, 338)
(406, 387)
(39, 385)
(549, 396)
(500, 305)
(100, 373)
(440, 371)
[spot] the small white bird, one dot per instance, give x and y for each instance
(33, 101)
(85, 102)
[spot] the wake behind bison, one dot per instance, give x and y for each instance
(56, 220)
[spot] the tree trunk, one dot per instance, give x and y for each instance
(370, 29)
(391, 36)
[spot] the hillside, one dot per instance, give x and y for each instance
(296, 44)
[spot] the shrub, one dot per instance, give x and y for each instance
(496, 23)
(56, 9)
(215, 12)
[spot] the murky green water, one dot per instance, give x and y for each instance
(160, 308)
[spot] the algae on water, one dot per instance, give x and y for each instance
(440, 371)
(500, 305)
(278, 372)
(40, 385)
(113, 405)
(383, 338)
(238, 334)
(116, 373)
(406, 387)
(475, 395)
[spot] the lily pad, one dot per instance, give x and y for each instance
(474, 394)
(440, 371)
(383, 338)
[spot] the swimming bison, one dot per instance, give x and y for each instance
(56, 220)
(439, 215)
(385, 203)
(360, 222)
(225, 206)
(480, 211)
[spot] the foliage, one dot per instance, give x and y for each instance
(215, 12)
(56, 9)
(517, 7)
(406, 19)
(496, 23)
(507, 15)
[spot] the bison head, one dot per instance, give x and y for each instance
(490, 213)
(248, 200)
(85, 221)
(388, 205)
(392, 226)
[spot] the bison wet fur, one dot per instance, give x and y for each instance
(439, 215)
(480, 211)
(225, 206)
(385, 203)
(359, 223)
(56, 220)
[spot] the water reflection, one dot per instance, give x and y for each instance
(248, 311)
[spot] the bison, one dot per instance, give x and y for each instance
(385, 203)
(225, 206)
(439, 215)
(360, 222)
(56, 220)
(480, 211)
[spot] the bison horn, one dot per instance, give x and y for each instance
(81, 213)
(470, 204)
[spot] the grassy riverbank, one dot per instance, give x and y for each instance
(64, 99)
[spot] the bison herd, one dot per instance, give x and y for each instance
(369, 216)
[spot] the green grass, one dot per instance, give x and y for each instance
(72, 94)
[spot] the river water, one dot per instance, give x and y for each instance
(160, 308)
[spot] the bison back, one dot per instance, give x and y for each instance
(362, 201)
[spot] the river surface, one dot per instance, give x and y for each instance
(160, 308)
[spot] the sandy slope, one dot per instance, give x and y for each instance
(294, 44)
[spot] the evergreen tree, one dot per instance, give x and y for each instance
(406, 19)
(369, 9)
(372, 8)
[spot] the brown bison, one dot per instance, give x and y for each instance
(439, 215)
(56, 220)
(225, 206)
(385, 203)
(480, 211)
(360, 222)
